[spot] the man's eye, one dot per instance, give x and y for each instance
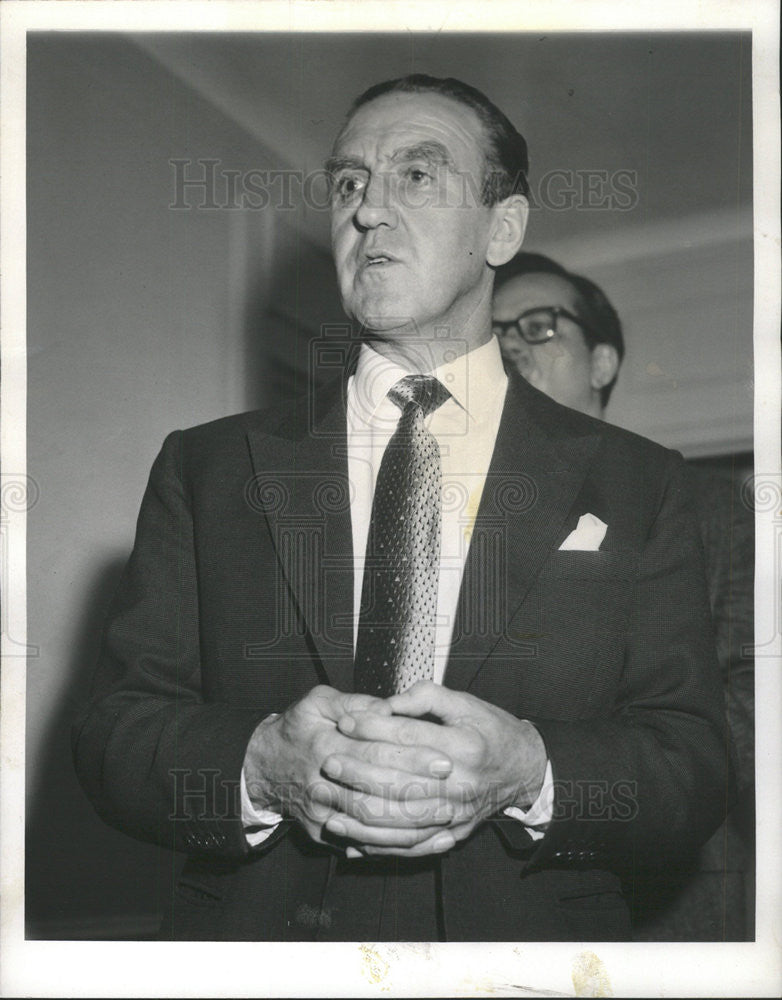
(539, 331)
(418, 175)
(348, 186)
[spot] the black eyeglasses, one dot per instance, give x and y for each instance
(536, 326)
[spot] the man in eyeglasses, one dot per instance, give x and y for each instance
(559, 330)
(564, 336)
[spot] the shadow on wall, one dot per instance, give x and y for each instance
(290, 315)
(85, 880)
(119, 890)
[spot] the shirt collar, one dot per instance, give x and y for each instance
(473, 379)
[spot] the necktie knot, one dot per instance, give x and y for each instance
(425, 391)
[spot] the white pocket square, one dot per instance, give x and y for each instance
(587, 535)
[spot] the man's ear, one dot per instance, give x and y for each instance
(510, 223)
(605, 365)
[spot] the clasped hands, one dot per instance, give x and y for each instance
(410, 775)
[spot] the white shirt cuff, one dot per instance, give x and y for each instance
(253, 818)
(539, 814)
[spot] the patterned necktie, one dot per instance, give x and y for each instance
(396, 630)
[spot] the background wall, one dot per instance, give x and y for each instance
(641, 173)
(137, 324)
(144, 316)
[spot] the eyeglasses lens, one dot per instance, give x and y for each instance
(539, 326)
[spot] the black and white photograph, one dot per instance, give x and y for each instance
(391, 503)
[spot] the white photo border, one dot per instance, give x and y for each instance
(52, 968)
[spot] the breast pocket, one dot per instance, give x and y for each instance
(574, 621)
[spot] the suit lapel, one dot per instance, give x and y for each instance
(539, 464)
(540, 461)
(301, 482)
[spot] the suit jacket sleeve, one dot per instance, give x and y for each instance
(650, 778)
(159, 760)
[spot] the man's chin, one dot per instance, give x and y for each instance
(387, 325)
(380, 309)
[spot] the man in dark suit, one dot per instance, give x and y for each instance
(560, 331)
(485, 762)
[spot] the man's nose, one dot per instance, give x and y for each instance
(376, 207)
(513, 346)
(517, 351)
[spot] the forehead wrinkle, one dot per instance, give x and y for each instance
(472, 141)
(451, 124)
(456, 137)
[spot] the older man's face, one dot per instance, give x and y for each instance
(409, 233)
(562, 367)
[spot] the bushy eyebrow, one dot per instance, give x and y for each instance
(334, 164)
(433, 152)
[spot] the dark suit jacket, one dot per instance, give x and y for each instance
(712, 899)
(238, 599)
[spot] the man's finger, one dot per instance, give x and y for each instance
(375, 811)
(365, 703)
(428, 698)
(385, 782)
(401, 731)
(438, 843)
(421, 761)
(426, 849)
(333, 703)
(348, 828)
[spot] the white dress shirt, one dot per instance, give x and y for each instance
(465, 427)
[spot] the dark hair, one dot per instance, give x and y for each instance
(527, 263)
(505, 156)
(604, 326)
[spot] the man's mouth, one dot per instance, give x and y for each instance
(378, 259)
